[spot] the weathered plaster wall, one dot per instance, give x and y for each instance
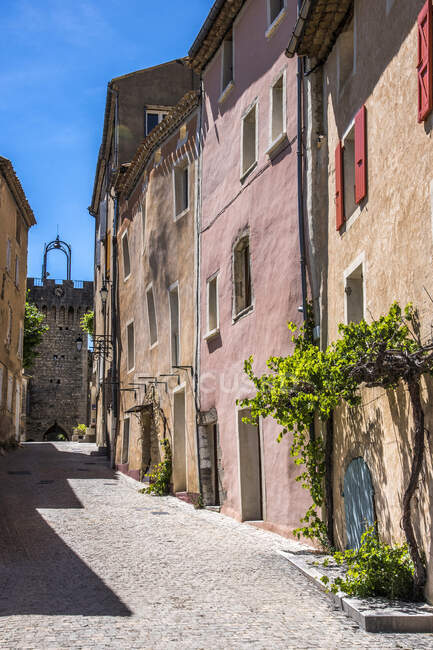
(392, 229)
(166, 256)
(266, 204)
(12, 295)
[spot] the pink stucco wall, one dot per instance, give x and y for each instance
(266, 203)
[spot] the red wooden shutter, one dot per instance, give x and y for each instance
(339, 185)
(360, 156)
(425, 60)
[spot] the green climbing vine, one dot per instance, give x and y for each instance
(309, 384)
(160, 476)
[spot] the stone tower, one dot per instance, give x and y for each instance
(58, 395)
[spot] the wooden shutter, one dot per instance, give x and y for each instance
(339, 185)
(360, 156)
(424, 67)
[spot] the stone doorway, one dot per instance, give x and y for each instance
(179, 442)
(55, 432)
(250, 471)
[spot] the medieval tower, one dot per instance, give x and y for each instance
(58, 395)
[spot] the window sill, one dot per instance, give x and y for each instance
(242, 313)
(226, 92)
(277, 145)
(273, 26)
(212, 334)
(127, 278)
(128, 372)
(181, 214)
(248, 171)
(153, 345)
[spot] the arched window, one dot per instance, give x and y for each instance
(70, 316)
(53, 312)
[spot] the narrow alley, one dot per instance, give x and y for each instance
(89, 562)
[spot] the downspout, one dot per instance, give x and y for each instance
(301, 227)
(114, 384)
(198, 288)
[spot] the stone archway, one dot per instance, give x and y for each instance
(54, 432)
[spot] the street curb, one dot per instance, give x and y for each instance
(372, 614)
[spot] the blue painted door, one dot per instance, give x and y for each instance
(358, 501)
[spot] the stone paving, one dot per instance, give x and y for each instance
(88, 562)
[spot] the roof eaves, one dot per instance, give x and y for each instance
(17, 191)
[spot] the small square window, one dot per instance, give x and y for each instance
(354, 290)
(131, 346)
(153, 118)
(181, 189)
(151, 314)
(126, 259)
(249, 140)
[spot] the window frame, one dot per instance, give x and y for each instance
(130, 368)
(171, 289)
(236, 315)
(149, 289)
(275, 143)
(184, 165)
(272, 24)
(125, 234)
(128, 419)
(342, 84)
(210, 333)
(359, 261)
(160, 111)
(253, 106)
(225, 88)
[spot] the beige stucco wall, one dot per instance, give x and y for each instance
(13, 294)
(166, 256)
(391, 233)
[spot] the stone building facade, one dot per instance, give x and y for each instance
(58, 391)
(16, 217)
(368, 189)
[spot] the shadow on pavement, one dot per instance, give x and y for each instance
(39, 573)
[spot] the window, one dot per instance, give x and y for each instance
(351, 169)
(275, 7)
(108, 254)
(8, 255)
(346, 49)
(152, 119)
(131, 344)
(151, 313)
(278, 109)
(143, 225)
(18, 228)
(9, 330)
(354, 291)
(425, 61)
(126, 260)
(17, 271)
(20, 342)
(242, 277)
(249, 141)
(212, 305)
(10, 392)
(180, 174)
(174, 325)
(125, 441)
(227, 62)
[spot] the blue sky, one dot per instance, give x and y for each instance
(56, 59)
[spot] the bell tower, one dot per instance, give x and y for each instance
(58, 394)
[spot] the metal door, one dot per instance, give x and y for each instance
(358, 501)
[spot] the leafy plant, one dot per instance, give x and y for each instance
(160, 477)
(81, 428)
(375, 569)
(34, 330)
(87, 322)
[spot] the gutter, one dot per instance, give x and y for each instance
(304, 8)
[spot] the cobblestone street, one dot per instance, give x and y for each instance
(88, 562)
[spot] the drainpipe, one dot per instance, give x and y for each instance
(114, 385)
(198, 288)
(300, 84)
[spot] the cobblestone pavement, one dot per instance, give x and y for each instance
(88, 562)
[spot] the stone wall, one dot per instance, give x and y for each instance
(59, 384)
